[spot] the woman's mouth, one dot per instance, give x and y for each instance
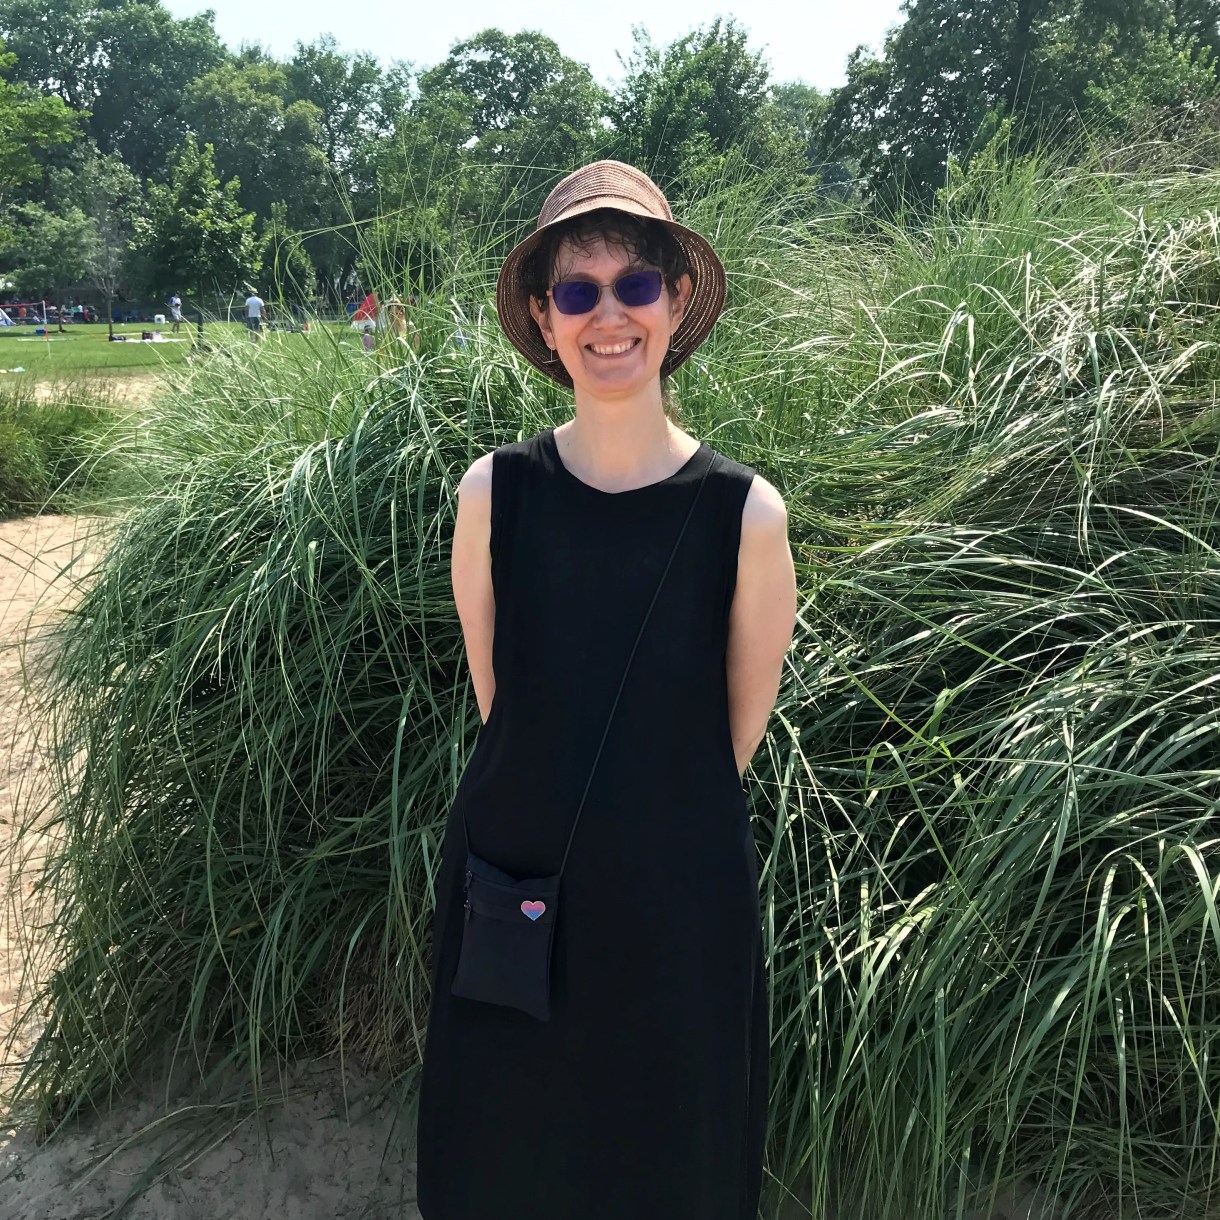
(609, 351)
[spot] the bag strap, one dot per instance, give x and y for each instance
(626, 669)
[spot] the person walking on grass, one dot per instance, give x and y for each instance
(175, 311)
(597, 1044)
(254, 315)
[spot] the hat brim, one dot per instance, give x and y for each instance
(709, 287)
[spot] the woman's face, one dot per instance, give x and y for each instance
(615, 350)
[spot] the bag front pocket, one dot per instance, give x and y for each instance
(507, 937)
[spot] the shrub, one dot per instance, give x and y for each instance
(53, 454)
(987, 799)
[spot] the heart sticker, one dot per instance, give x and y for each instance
(533, 909)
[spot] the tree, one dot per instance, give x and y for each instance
(284, 259)
(124, 62)
(702, 95)
(28, 122)
(52, 252)
(950, 74)
(356, 100)
(533, 115)
(106, 191)
(196, 233)
(272, 147)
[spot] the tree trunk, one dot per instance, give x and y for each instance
(109, 316)
(1020, 53)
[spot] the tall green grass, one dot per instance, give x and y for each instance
(56, 452)
(986, 803)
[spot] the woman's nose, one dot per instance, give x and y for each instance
(608, 308)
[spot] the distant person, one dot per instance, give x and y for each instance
(254, 315)
(175, 310)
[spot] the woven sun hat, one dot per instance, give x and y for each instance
(610, 184)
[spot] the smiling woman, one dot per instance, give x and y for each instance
(598, 1040)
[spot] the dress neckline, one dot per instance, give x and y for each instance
(686, 466)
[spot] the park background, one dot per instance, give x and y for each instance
(972, 337)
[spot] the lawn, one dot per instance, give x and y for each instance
(84, 348)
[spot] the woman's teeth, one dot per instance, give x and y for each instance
(612, 350)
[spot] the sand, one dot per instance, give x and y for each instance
(338, 1146)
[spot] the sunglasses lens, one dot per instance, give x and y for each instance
(638, 288)
(575, 296)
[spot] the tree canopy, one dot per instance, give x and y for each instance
(346, 160)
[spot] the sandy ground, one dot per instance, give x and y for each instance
(336, 1148)
(134, 389)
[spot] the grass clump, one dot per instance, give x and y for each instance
(986, 805)
(53, 448)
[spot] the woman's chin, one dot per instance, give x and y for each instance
(617, 377)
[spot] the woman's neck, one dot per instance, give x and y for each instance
(614, 445)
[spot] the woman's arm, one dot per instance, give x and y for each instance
(761, 619)
(471, 574)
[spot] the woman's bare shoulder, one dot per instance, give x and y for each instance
(475, 484)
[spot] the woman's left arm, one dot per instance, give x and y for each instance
(761, 619)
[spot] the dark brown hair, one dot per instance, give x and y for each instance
(642, 238)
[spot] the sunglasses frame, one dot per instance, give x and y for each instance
(575, 313)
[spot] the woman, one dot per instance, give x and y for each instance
(643, 1097)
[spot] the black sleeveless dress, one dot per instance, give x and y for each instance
(645, 1095)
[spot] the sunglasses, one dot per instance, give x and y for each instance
(581, 296)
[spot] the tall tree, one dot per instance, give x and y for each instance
(28, 122)
(52, 252)
(356, 99)
(533, 115)
(125, 62)
(196, 233)
(274, 148)
(702, 95)
(951, 72)
(108, 193)
(288, 268)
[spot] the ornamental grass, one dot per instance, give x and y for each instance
(986, 804)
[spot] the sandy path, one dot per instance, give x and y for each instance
(132, 389)
(335, 1149)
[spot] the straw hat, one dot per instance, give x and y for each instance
(610, 184)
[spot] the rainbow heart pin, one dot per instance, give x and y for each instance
(533, 909)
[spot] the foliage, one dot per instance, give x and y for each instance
(52, 452)
(196, 232)
(356, 101)
(124, 64)
(52, 250)
(289, 269)
(532, 114)
(949, 73)
(700, 96)
(27, 122)
(986, 803)
(272, 147)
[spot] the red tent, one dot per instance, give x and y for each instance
(367, 312)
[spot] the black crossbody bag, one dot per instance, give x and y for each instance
(509, 927)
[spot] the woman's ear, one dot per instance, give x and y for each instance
(542, 317)
(679, 299)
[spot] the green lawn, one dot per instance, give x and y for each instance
(84, 348)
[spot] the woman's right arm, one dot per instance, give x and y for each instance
(471, 574)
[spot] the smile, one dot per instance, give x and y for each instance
(612, 349)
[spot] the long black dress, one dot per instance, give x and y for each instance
(644, 1097)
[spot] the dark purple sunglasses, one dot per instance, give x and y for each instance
(581, 296)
